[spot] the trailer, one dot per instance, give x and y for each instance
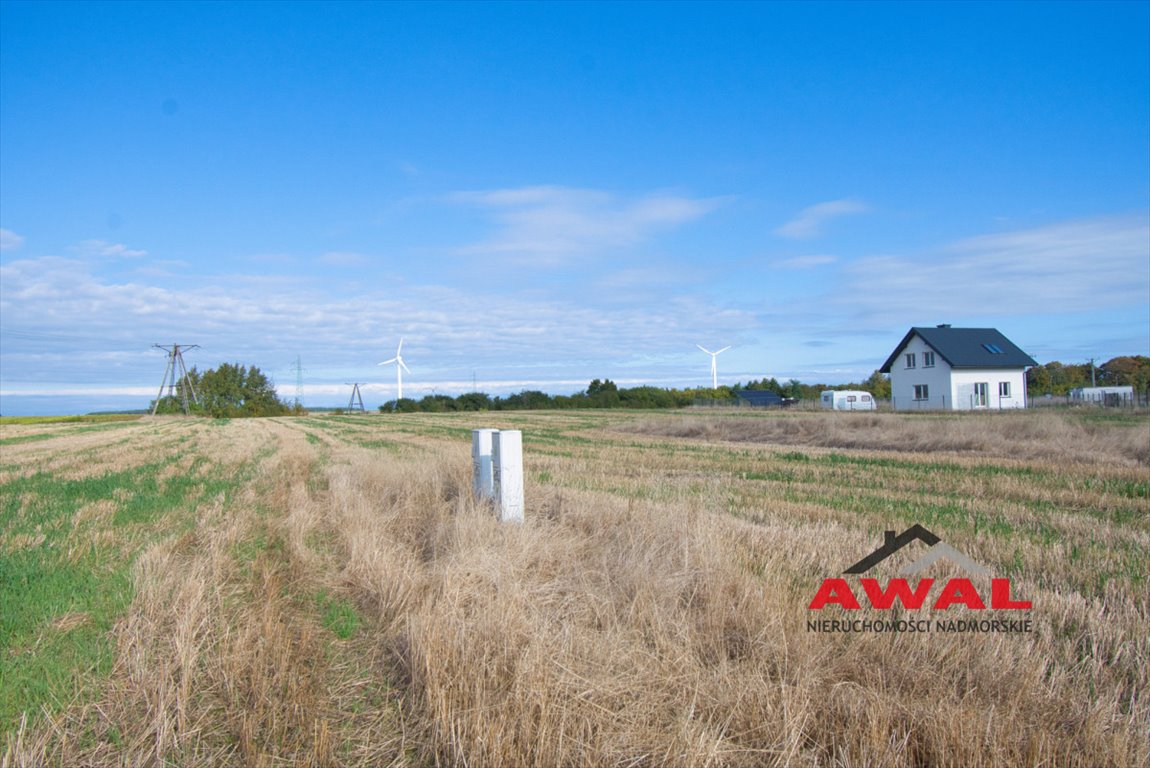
(847, 400)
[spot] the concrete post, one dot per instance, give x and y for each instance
(507, 460)
(482, 477)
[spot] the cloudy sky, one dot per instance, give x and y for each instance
(535, 195)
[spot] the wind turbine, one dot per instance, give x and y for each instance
(714, 367)
(400, 367)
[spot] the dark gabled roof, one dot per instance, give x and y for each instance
(966, 348)
(759, 397)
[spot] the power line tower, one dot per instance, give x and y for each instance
(176, 377)
(298, 382)
(356, 401)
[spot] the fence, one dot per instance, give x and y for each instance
(1110, 400)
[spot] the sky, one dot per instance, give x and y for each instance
(534, 195)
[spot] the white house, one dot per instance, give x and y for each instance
(957, 369)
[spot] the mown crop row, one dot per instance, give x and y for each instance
(324, 590)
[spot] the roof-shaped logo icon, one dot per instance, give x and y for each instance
(938, 550)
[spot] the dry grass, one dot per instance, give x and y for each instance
(624, 632)
(68, 451)
(651, 612)
(1050, 436)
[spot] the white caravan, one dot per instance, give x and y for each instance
(847, 400)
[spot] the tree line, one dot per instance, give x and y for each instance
(1058, 379)
(1053, 378)
(604, 393)
(233, 391)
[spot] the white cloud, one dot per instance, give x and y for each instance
(65, 314)
(1070, 266)
(343, 259)
(164, 268)
(550, 224)
(651, 281)
(810, 220)
(408, 168)
(9, 240)
(87, 391)
(806, 262)
(108, 250)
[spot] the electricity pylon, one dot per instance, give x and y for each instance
(298, 382)
(356, 401)
(176, 377)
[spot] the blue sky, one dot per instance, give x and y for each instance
(535, 195)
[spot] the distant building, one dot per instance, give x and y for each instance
(760, 398)
(1103, 395)
(957, 369)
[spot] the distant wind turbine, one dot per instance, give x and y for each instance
(400, 367)
(714, 367)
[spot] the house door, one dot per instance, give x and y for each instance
(981, 395)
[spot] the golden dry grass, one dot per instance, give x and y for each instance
(1050, 435)
(651, 611)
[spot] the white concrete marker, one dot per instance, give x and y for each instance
(482, 479)
(507, 459)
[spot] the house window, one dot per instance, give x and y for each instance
(927, 359)
(981, 395)
(910, 359)
(921, 392)
(1004, 389)
(993, 349)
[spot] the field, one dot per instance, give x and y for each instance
(324, 591)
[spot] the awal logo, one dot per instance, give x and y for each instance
(958, 591)
(938, 550)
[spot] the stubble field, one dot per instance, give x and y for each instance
(324, 591)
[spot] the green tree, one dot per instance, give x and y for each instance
(648, 397)
(1132, 370)
(878, 385)
(1038, 381)
(528, 399)
(437, 404)
(603, 394)
(1056, 378)
(233, 390)
(474, 401)
(598, 387)
(768, 385)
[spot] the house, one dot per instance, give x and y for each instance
(957, 369)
